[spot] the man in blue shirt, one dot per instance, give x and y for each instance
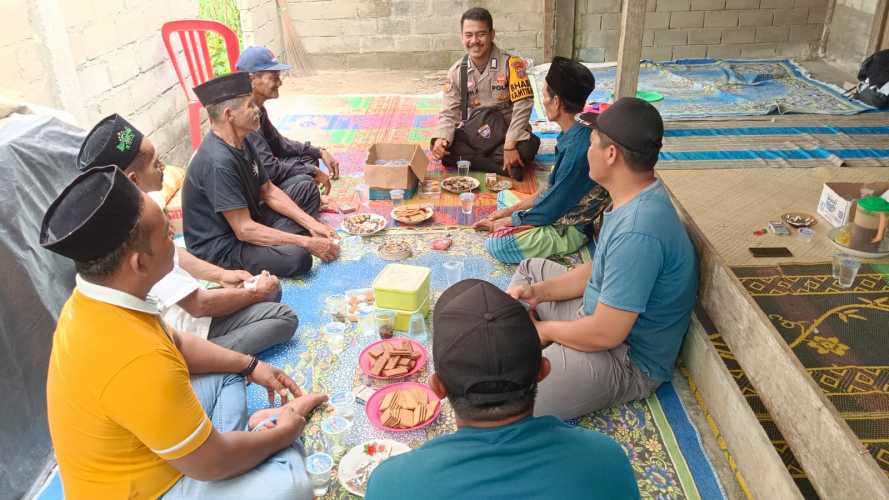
(555, 221)
(488, 363)
(614, 326)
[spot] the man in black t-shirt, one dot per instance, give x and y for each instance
(232, 214)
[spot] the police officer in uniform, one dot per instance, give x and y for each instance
(491, 128)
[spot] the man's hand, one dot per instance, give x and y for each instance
(525, 293)
(324, 248)
(541, 327)
(491, 224)
(234, 278)
(267, 285)
(275, 381)
(439, 148)
(321, 230)
(324, 180)
(511, 160)
(332, 163)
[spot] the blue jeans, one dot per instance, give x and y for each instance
(282, 476)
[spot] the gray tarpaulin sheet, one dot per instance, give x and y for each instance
(37, 156)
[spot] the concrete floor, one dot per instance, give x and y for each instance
(418, 82)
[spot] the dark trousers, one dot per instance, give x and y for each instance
(492, 162)
(285, 261)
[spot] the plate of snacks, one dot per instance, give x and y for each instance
(364, 224)
(797, 219)
(493, 183)
(402, 407)
(412, 214)
(395, 250)
(358, 464)
(460, 184)
(392, 359)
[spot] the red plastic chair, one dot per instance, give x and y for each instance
(193, 41)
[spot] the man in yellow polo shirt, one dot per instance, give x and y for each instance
(137, 410)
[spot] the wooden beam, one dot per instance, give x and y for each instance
(630, 49)
(563, 24)
(764, 472)
(549, 28)
(836, 462)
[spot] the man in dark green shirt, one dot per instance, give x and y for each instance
(488, 362)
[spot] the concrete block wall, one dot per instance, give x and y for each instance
(122, 67)
(260, 24)
(849, 31)
(676, 29)
(408, 34)
(25, 70)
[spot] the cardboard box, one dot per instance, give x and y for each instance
(382, 178)
(838, 200)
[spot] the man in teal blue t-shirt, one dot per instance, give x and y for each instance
(488, 362)
(614, 326)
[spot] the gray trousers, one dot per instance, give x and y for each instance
(254, 328)
(580, 382)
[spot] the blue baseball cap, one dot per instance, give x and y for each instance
(255, 59)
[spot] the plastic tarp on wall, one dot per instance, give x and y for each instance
(37, 160)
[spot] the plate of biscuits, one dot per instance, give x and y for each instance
(364, 224)
(460, 184)
(403, 407)
(392, 359)
(412, 214)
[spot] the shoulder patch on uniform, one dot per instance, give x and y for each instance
(519, 85)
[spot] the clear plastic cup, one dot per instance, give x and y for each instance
(363, 191)
(384, 323)
(848, 270)
(837, 257)
(453, 271)
(335, 306)
(467, 200)
(397, 197)
(463, 168)
(366, 326)
(319, 466)
(417, 328)
(343, 403)
(335, 335)
(335, 429)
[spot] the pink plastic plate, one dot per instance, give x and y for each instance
(372, 408)
(365, 362)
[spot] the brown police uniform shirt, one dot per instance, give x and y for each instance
(503, 83)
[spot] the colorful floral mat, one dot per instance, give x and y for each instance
(656, 434)
(839, 335)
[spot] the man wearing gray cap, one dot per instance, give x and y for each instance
(488, 364)
(614, 327)
(139, 410)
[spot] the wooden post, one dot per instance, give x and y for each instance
(630, 49)
(879, 32)
(564, 28)
(836, 462)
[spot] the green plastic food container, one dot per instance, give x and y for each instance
(402, 288)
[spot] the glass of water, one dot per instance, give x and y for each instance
(335, 429)
(463, 168)
(335, 334)
(319, 466)
(848, 270)
(343, 403)
(467, 200)
(417, 328)
(453, 271)
(363, 191)
(397, 196)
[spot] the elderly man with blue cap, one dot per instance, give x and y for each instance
(286, 161)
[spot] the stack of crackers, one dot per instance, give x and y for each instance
(406, 408)
(411, 214)
(393, 359)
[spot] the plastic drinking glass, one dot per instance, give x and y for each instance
(417, 328)
(335, 305)
(384, 322)
(335, 429)
(453, 271)
(466, 202)
(335, 334)
(363, 191)
(463, 168)
(319, 466)
(837, 258)
(343, 403)
(848, 270)
(365, 315)
(397, 196)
